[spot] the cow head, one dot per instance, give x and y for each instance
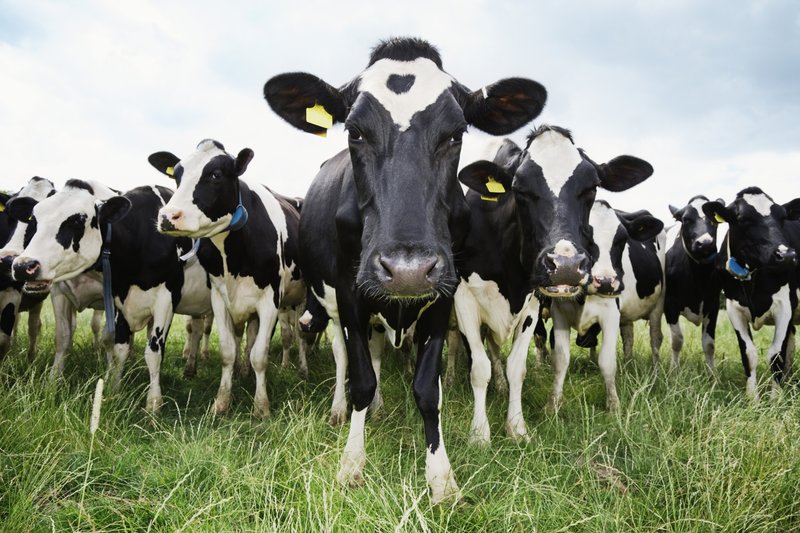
(64, 232)
(755, 239)
(36, 189)
(405, 117)
(554, 186)
(698, 232)
(207, 201)
(611, 230)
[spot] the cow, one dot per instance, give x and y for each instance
(693, 283)
(12, 298)
(247, 243)
(381, 220)
(150, 282)
(529, 236)
(619, 277)
(758, 262)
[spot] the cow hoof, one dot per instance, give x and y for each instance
(204, 355)
(154, 404)
(221, 406)
(351, 470)
(480, 439)
(284, 364)
(303, 373)
(338, 415)
(446, 491)
(261, 411)
(552, 406)
(449, 380)
(189, 373)
(612, 404)
(517, 432)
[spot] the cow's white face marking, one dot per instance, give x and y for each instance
(697, 204)
(557, 157)
(429, 82)
(604, 223)
(565, 248)
(194, 222)
(782, 248)
(705, 237)
(760, 203)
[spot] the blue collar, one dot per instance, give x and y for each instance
(239, 218)
(737, 270)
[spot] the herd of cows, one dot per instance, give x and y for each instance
(387, 245)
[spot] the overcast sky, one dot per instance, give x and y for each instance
(706, 91)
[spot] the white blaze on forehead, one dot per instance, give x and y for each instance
(705, 237)
(557, 157)
(429, 82)
(604, 223)
(760, 203)
(697, 204)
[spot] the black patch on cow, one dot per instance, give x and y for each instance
(30, 231)
(405, 49)
(527, 323)
(379, 328)
(93, 222)
(79, 184)
(51, 193)
(7, 318)
(646, 266)
(400, 84)
(157, 341)
(71, 230)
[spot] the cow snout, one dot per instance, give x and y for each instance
(409, 275)
(702, 250)
(564, 271)
(169, 219)
(26, 269)
(785, 256)
(606, 285)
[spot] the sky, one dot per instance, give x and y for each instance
(707, 91)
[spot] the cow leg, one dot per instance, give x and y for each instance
(431, 329)
(377, 346)
(469, 321)
(242, 365)
(154, 349)
(626, 331)
(782, 312)
(194, 331)
(259, 353)
(120, 351)
(34, 327)
(747, 348)
(516, 368)
(498, 372)
(540, 340)
(96, 325)
(63, 312)
(208, 322)
(559, 358)
(656, 335)
(453, 346)
(304, 340)
(228, 346)
(709, 330)
(607, 360)
(8, 318)
(676, 334)
(286, 336)
(339, 405)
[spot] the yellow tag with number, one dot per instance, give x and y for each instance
(170, 171)
(494, 186)
(318, 116)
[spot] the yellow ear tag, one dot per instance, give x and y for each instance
(170, 171)
(2, 207)
(318, 116)
(321, 134)
(489, 198)
(493, 186)
(718, 218)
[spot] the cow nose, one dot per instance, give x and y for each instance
(166, 223)
(26, 270)
(566, 269)
(606, 285)
(785, 256)
(407, 274)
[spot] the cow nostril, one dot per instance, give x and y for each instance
(550, 263)
(175, 215)
(386, 268)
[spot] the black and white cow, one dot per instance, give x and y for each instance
(616, 235)
(693, 282)
(758, 260)
(149, 280)
(248, 245)
(381, 219)
(13, 299)
(529, 233)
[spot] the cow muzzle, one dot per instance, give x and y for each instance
(408, 275)
(30, 271)
(564, 271)
(606, 286)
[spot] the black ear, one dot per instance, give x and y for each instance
(677, 214)
(486, 178)
(718, 213)
(792, 209)
(505, 106)
(641, 225)
(114, 209)
(20, 208)
(293, 94)
(623, 172)
(4, 196)
(164, 162)
(242, 160)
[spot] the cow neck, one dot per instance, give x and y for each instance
(237, 222)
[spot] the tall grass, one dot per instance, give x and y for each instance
(684, 453)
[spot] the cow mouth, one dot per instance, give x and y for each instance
(561, 291)
(37, 286)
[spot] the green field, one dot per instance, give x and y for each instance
(682, 454)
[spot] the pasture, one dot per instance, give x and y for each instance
(682, 454)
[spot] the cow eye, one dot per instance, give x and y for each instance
(457, 137)
(216, 174)
(354, 135)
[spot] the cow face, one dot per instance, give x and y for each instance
(36, 189)
(405, 117)
(554, 186)
(207, 201)
(698, 232)
(755, 239)
(65, 232)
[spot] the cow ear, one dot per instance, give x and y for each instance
(677, 214)
(164, 162)
(20, 208)
(114, 209)
(305, 101)
(623, 172)
(505, 106)
(3, 200)
(487, 179)
(641, 226)
(792, 209)
(718, 213)
(242, 160)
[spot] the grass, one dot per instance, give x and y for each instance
(682, 454)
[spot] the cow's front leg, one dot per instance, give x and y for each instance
(377, 345)
(228, 346)
(120, 350)
(626, 331)
(607, 360)
(63, 311)
(709, 331)
(154, 350)
(339, 404)
(34, 327)
(747, 348)
(498, 372)
(431, 330)
(194, 331)
(560, 359)
(516, 368)
(259, 353)
(8, 320)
